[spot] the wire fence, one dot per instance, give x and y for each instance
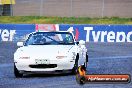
(69, 8)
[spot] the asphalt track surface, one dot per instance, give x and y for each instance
(104, 58)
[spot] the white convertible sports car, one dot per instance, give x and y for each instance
(49, 52)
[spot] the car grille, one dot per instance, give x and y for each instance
(43, 66)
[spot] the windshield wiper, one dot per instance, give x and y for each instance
(41, 44)
(66, 43)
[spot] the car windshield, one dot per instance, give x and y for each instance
(50, 38)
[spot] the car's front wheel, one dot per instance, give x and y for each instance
(17, 73)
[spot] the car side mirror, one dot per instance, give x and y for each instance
(81, 42)
(19, 43)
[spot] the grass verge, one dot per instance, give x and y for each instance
(63, 20)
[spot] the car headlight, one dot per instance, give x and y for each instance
(24, 57)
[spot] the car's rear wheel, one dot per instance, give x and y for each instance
(86, 62)
(17, 73)
(74, 70)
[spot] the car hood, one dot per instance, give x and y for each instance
(47, 50)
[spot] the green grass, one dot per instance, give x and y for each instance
(63, 20)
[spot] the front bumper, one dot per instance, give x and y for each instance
(29, 65)
(46, 72)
